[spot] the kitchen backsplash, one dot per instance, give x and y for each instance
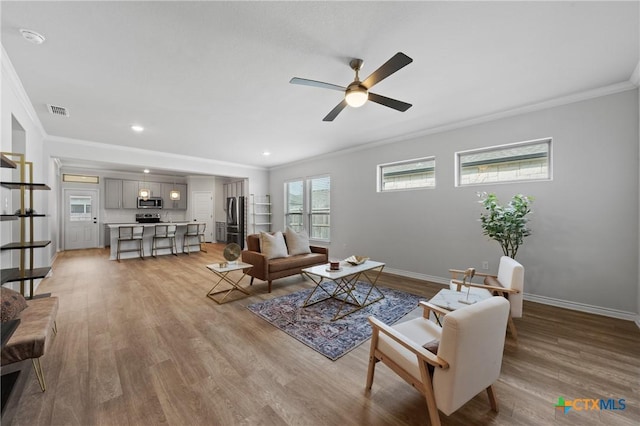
(129, 215)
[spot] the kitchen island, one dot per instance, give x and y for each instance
(147, 239)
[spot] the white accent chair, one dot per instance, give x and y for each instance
(467, 361)
(508, 283)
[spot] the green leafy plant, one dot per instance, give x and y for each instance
(506, 224)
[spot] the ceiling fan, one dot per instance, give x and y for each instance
(357, 93)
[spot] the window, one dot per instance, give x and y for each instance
(79, 208)
(412, 174)
(295, 201)
(308, 206)
(80, 178)
(505, 163)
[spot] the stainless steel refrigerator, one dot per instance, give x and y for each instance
(235, 220)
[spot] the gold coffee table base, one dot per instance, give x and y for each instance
(223, 276)
(345, 281)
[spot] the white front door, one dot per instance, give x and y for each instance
(202, 208)
(80, 219)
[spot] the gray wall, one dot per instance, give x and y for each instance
(584, 249)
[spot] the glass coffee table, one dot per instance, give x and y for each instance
(341, 285)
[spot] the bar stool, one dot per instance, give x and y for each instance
(164, 232)
(192, 232)
(130, 233)
(201, 238)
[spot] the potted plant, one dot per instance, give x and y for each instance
(506, 224)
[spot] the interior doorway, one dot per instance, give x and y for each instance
(81, 219)
(202, 208)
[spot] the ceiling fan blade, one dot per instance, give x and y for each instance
(314, 83)
(398, 61)
(388, 102)
(334, 112)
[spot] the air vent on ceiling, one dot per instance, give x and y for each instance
(58, 110)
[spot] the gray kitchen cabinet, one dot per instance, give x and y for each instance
(130, 194)
(167, 203)
(154, 187)
(113, 193)
(221, 232)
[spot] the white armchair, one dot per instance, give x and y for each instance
(467, 361)
(508, 283)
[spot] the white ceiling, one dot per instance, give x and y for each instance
(211, 79)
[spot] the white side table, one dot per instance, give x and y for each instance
(223, 274)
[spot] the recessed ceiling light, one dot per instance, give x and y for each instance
(137, 128)
(266, 153)
(146, 170)
(32, 36)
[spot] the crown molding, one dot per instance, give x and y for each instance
(18, 89)
(140, 153)
(635, 76)
(550, 103)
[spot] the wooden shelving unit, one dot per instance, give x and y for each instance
(26, 271)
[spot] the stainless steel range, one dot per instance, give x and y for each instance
(148, 217)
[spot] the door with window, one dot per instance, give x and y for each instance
(80, 219)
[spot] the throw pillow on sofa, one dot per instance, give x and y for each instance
(297, 242)
(273, 246)
(12, 304)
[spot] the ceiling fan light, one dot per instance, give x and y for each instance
(356, 95)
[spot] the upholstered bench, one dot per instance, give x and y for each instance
(34, 334)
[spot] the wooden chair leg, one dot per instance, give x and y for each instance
(372, 359)
(39, 373)
(512, 328)
(251, 282)
(269, 286)
(492, 398)
(429, 396)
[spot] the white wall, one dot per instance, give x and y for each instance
(584, 249)
(14, 103)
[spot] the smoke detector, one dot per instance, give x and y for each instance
(32, 36)
(57, 110)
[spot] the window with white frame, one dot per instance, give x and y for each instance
(308, 206)
(294, 205)
(410, 174)
(506, 163)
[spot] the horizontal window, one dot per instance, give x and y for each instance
(412, 174)
(79, 178)
(506, 163)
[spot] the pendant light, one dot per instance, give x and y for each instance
(144, 192)
(174, 194)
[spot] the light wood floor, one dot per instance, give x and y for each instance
(139, 344)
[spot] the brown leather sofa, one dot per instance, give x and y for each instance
(272, 269)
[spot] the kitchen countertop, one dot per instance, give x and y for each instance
(147, 225)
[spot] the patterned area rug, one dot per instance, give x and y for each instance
(313, 326)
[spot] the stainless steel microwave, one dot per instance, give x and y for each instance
(150, 203)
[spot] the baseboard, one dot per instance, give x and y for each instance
(414, 275)
(574, 306)
(582, 307)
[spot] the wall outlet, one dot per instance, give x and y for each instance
(485, 265)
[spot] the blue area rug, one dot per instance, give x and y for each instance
(313, 326)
